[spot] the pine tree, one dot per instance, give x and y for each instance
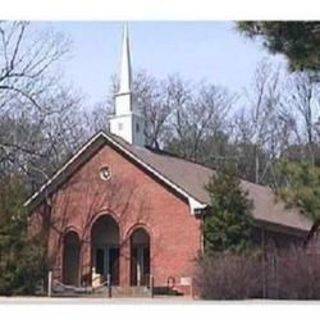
(22, 262)
(300, 188)
(228, 226)
(299, 41)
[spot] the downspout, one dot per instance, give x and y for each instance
(264, 263)
(202, 237)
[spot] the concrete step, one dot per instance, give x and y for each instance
(138, 292)
(117, 292)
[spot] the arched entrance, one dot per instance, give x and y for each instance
(71, 255)
(140, 257)
(105, 248)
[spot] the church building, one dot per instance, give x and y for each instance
(123, 212)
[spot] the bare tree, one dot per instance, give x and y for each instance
(199, 115)
(25, 59)
(39, 114)
(303, 98)
(151, 95)
(261, 126)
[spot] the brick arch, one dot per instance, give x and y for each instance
(105, 216)
(71, 228)
(139, 225)
(102, 213)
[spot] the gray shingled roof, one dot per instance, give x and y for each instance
(188, 176)
(193, 177)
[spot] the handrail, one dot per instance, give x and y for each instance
(71, 287)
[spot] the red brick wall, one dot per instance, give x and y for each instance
(134, 199)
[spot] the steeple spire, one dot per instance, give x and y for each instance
(127, 122)
(123, 98)
(125, 71)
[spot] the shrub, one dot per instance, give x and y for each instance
(291, 273)
(297, 274)
(229, 276)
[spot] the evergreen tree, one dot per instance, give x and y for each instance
(228, 226)
(300, 187)
(22, 262)
(299, 41)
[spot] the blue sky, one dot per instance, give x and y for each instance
(214, 51)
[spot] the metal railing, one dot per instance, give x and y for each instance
(90, 289)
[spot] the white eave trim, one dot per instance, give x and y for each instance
(195, 205)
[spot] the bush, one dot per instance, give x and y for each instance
(297, 274)
(229, 276)
(22, 272)
(289, 274)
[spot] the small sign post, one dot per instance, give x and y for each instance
(109, 284)
(151, 285)
(50, 283)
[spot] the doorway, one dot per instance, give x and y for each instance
(140, 258)
(105, 248)
(71, 255)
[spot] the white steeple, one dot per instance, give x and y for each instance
(127, 122)
(125, 71)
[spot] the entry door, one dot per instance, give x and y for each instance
(71, 264)
(140, 271)
(143, 265)
(140, 265)
(100, 261)
(134, 262)
(113, 265)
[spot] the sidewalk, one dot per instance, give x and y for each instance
(156, 300)
(89, 300)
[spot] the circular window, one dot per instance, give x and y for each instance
(105, 173)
